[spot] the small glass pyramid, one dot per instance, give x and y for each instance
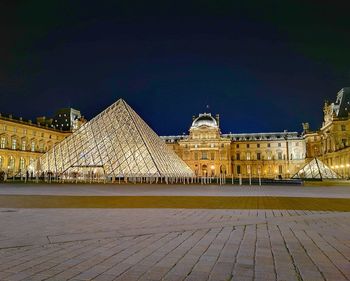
(116, 143)
(316, 169)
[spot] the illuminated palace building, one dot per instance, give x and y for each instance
(138, 150)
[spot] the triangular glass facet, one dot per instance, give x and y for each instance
(120, 143)
(316, 169)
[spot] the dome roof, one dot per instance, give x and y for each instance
(204, 119)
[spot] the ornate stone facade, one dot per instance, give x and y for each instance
(331, 143)
(22, 142)
(208, 152)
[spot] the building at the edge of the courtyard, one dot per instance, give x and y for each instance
(22, 142)
(206, 150)
(331, 143)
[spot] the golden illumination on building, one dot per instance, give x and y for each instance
(331, 143)
(210, 153)
(23, 142)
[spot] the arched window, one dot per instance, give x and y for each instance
(23, 145)
(14, 143)
(22, 164)
(11, 163)
(32, 146)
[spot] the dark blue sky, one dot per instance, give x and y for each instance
(263, 65)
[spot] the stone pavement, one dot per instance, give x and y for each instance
(175, 190)
(173, 244)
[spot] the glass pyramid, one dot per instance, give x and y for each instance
(116, 143)
(316, 169)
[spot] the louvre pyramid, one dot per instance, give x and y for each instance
(316, 169)
(120, 143)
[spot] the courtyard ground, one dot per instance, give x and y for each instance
(174, 232)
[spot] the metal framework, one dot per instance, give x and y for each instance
(117, 143)
(316, 169)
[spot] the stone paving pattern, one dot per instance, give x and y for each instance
(173, 244)
(175, 190)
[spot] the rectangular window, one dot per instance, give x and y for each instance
(343, 142)
(343, 127)
(14, 143)
(280, 169)
(279, 144)
(238, 169)
(204, 155)
(269, 145)
(258, 145)
(32, 146)
(23, 145)
(269, 155)
(22, 164)
(279, 155)
(238, 156)
(248, 155)
(212, 156)
(237, 145)
(196, 156)
(3, 142)
(258, 156)
(248, 145)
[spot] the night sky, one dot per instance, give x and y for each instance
(262, 65)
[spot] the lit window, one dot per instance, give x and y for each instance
(11, 162)
(3, 142)
(32, 146)
(14, 143)
(1, 162)
(248, 155)
(23, 145)
(22, 163)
